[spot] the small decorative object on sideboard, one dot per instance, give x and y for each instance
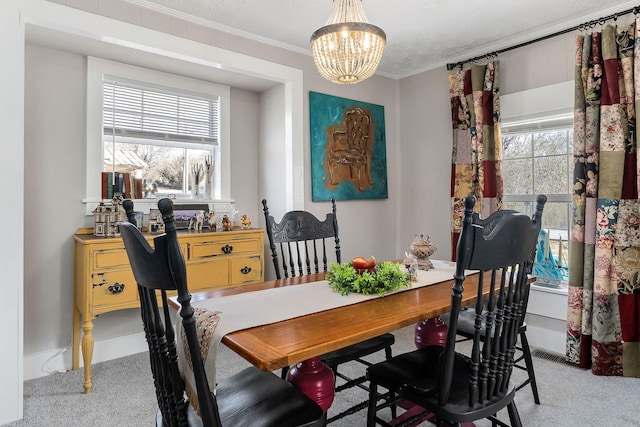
(245, 223)
(108, 216)
(422, 248)
(212, 220)
(196, 221)
(156, 225)
(227, 225)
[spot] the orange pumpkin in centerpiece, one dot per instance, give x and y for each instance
(361, 264)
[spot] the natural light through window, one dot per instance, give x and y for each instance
(537, 137)
(538, 160)
(153, 137)
(147, 129)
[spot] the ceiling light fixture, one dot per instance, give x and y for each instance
(348, 49)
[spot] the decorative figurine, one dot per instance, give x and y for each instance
(227, 225)
(196, 221)
(245, 224)
(108, 216)
(196, 177)
(208, 177)
(422, 248)
(411, 265)
(156, 224)
(212, 220)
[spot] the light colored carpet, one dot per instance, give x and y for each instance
(123, 395)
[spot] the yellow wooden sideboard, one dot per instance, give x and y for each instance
(104, 281)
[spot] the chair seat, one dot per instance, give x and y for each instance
(414, 370)
(254, 398)
(356, 351)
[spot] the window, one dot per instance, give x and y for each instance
(156, 136)
(537, 138)
(537, 159)
(154, 127)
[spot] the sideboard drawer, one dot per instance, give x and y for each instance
(245, 270)
(208, 274)
(114, 288)
(111, 258)
(207, 249)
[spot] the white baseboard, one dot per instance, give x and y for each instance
(45, 363)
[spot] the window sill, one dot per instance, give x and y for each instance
(143, 205)
(562, 289)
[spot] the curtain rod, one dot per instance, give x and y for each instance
(581, 27)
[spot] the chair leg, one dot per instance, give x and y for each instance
(514, 417)
(529, 362)
(394, 408)
(373, 402)
(283, 373)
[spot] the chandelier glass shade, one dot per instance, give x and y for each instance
(347, 49)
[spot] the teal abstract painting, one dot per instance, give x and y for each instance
(348, 149)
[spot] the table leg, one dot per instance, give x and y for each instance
(87, 354)
(315, 379)
(430, 332)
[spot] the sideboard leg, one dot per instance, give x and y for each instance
(75, 356)
(87, 354)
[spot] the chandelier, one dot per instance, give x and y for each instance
(348, 49)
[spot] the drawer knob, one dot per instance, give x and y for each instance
(227, 249)
(245, 270)
(116, 288)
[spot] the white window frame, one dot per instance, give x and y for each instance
(551, 102)
(536, 106)
(96, 70)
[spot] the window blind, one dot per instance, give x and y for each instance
(134, 111)
(538, 123)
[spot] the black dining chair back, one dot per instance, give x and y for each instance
(300, 243)
(524, 360)
(251, 397)
(455, 387)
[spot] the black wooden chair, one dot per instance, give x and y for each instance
(524, 361)
(301, 244)
(251, 397)
(457, 388)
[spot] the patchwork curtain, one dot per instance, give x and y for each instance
(477, 146)
(603, 325)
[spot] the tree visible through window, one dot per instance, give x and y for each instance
(157, 135)
(537, 159)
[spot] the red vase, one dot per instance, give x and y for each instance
(430, 332)
(315, 380)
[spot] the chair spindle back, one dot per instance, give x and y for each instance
(298, 242)
(503, 244)
(156, 271)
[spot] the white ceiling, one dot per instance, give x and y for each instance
(421, 34)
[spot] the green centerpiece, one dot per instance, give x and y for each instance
(383, 278)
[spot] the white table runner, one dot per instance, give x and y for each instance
(251, 309)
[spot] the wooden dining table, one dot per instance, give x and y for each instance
(285, 343)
